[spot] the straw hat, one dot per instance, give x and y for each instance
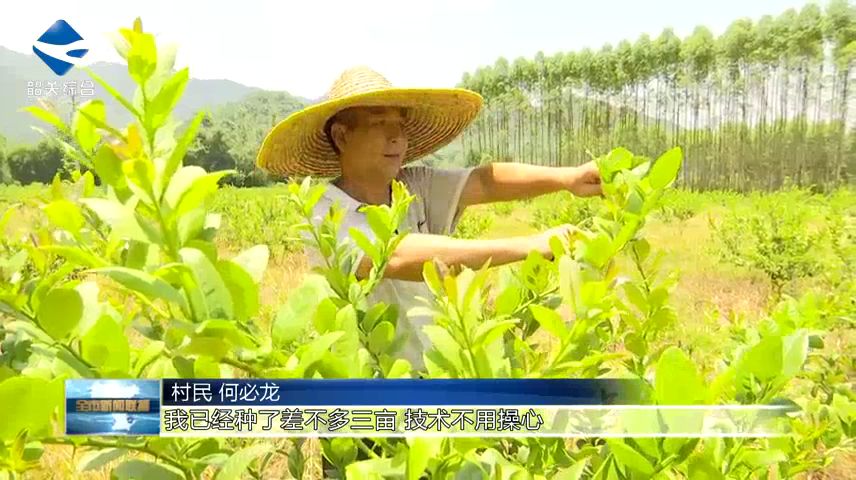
(299, 146)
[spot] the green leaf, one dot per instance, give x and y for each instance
(197, 193)
(217, 296)
(432, 278)
(550, 320)
(243, 290)
(254, 260)
(85, 130)
(677, 381)
(95, 459)
(108, 166)
(144, 283)
(110, 212)
(92, 307)
(100, 123)
(618, 159)
(629, 457)
(596, 251)
(180, 150)
(145, 470)
(815, 342)
(794, 352)
(572, 473)
(764, 360)
(340, 451)
(66, 215)
(762, 458)
(636, 297)
(365, 244)
(703, 469)
(237, 465)
(508, 300)
(315, 350)
(296, 461)
(209, 346)
(142, 57)
(375, 313)
(297, 312)
(400, 369)
(378, 220)
(32, 451)
(443, 343)
(224, 330)
(33, 401)
(346, 321)
(151, 352)
(75, 255)
(665, 170)
(47, 116)
(106, 347)
(374, 469)
(112, 91)
(206, 367)
(491, 330)
(162, 105)
(60, 311)
(190, 225)
(422, 449)
(381, 337)
(324, 319)
(141, 173)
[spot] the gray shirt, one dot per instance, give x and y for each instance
(436, 210)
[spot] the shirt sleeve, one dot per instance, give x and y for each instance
(440, 191)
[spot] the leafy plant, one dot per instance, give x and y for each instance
(473, 224)
(775, 238)
(125, 280)
(560, 208)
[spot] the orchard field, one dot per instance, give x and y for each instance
(156, 271)
(716, 298)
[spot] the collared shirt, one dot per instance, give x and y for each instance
(435, 210)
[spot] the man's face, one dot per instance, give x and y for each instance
(374, 138)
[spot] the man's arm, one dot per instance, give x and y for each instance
(417, 248)
(499, 182)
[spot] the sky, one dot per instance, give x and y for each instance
(302, 46)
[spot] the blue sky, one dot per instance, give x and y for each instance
(302, 46)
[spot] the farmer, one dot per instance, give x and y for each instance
(363, 134)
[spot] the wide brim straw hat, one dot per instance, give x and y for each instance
(299, 146)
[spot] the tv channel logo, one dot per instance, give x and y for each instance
(60, 47)
(112, 407)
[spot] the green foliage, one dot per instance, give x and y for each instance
(37, 164)
(473, 223)
(561, 208)
(777, 238)
(230, 136)
(679, 206)
(137, 254)
(257, 216)
(504, 209)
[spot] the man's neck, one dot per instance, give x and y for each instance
(368, 191)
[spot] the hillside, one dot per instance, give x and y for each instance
(16, 69)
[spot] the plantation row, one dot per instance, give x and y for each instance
(766, 103)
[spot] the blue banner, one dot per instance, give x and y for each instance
(400, 392)
(112, 407)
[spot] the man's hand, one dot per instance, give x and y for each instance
(541, 241)
(584, 180)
